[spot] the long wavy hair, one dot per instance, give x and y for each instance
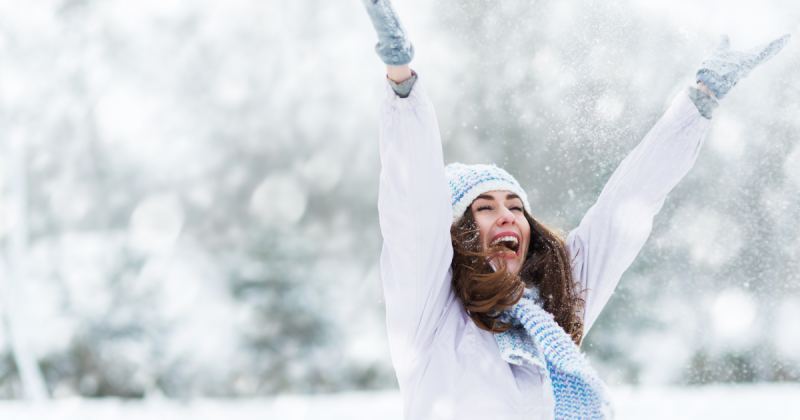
(486, 293)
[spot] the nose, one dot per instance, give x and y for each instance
(506, 218)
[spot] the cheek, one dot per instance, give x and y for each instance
(525, 229)
(484, 227)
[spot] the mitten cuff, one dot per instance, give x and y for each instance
(718, 84)
(704, 102)
(396, 53)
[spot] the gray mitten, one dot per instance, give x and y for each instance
(723, 68)
(393, 46)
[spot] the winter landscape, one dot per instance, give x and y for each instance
(188, 212)
(742, 402)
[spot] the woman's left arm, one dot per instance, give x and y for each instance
(614, 230)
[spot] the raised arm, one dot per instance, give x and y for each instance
(614, 230)
(413, 201)
(415, 218)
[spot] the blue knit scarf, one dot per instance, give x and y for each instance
(535, 338)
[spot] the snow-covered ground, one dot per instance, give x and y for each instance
(768, 401)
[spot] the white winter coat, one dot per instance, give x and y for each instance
(447, 367)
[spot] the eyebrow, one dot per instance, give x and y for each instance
(510, 196)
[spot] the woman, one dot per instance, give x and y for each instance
(486, 307)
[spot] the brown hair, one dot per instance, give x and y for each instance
(486, 293)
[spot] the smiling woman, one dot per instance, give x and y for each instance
(486, 307)
(498, 250)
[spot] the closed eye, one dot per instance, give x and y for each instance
(484, 208)
(517, 208)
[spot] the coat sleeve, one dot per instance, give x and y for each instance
(614, 230)
(415, 218)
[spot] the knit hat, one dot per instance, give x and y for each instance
(467, 182)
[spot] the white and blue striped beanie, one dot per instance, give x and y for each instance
(467, 182)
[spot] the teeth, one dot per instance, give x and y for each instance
(511, 239)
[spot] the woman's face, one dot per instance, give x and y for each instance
(501, 222)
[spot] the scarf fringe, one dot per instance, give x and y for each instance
(536, 339)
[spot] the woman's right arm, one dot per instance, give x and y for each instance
(415, 217)
(413, 201)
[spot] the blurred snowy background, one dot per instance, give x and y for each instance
(189, 187)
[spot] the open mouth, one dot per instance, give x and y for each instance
(508, 242)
